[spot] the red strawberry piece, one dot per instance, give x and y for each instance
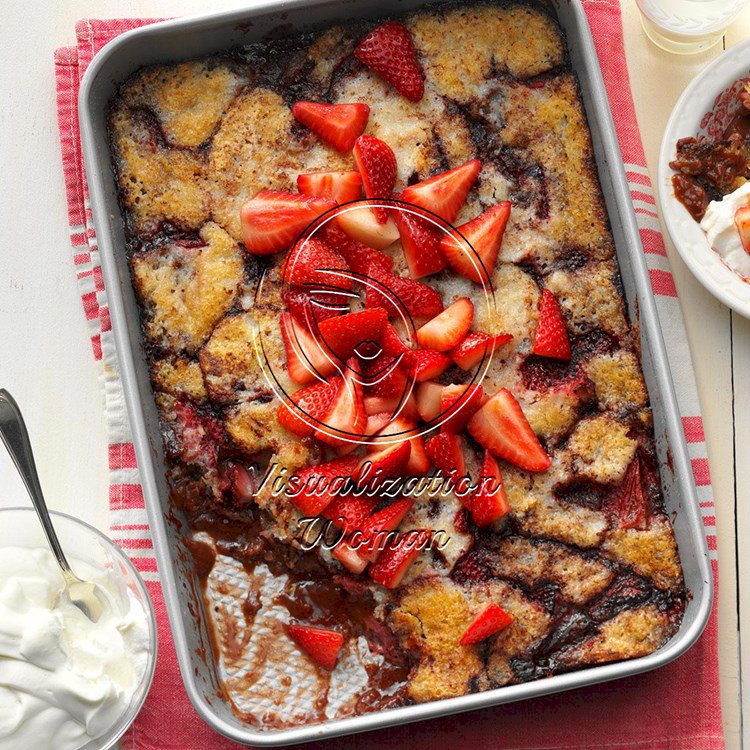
(445, 193)
(426, 364)
(446, 452)
(349, 557)
(392, 405)
(273, 220)
(492, 619)
(362, 225)
(388, 51)
(313, 305)
(458, 404)
(376, 422)
(490, 502)
(303, 409)
(376, 163)
(314, 263)
(485, 235)
(396, 293)
(551, 338)
(344, 334)
(315, 487)
(420, 240)
(350, 512)
(199, 435)
(241, 481)
(322, 646)
(428, 400)
(418, 463)
(359, 257)
(632, 505)
(306, 360)
(475, 347)
(392, 343)
(501, 427)
(393, 562)
(341, 187)
(345, 422)
(742, 222)
(339, 125)
(448, 328)
(389, 461)
(374, 533)
(386, 376)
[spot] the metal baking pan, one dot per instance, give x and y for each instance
(192, 37)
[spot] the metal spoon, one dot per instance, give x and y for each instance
(81, 594)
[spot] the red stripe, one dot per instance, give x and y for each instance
(129, 527)
(637, 195)
(662, 283)
(126, 496)
(701, 472)
(81, 258)
(96, 345)
(90, 305)
(638, 177)
(693, 427)
(135, 543)
(144, 564)
(711, 542)
(104, 319)
(79, 239)
(653, 242)
(709, 520)
(122, 456)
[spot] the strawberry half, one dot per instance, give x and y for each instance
(385, 376)
(300, 412)
(393, 562)
(344, 334)
(390, 461)
(445, 193)
(315, 487)
(392, 405)
(359, 257)
(339, 125)
(376, 163)
(341, 187)
(395, 293)
(475, 347)
(742, 222)
(388, 51)
(446, 452)
(632, 506)
(392, 343)
(322, 646)
(311, 262)
(426, 364)
(349, 512)
(376, 527)
(362, 225)
(551, 338)
(418, 463)
(349, 557)
(501, 427)
(446, 330)
(485, 235)
(420, 240)
(272, 220)
(490, 501)
(428, 400)
(492, 619)
(306, 360)
(345, 422)
(458, 404)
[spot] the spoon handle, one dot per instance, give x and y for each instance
(16, 438)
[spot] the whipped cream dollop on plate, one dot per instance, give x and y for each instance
(64, 680)
(721, 232)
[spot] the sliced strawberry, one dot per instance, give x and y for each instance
(388, 51)
(392, 343)
(315, 487)
(376, 422)
(312, 262)
(307, 406)
(551, 338)
(339, 125)
(322, 646)
(445, 193)
(376, 163)
(350, 512)
(632, 506)
(490, 502)
(341, 187)
(485, 235)
(306, 360)
(492, 619)
(475, 347)
(376, 528)
(362, 225)
(426, 364)
(392, 405)
(420, 240)
(418, 463)
(243, 485)
(448, 328)
(394, 293)
(742, 222)
(393, 562)
(349, 557)
(501, 427)
(344, 334)
(386, 377)
(446, 452)
(272, 220)
(345, 422)
(309, 306)
(359, 257)
(458, 404)
(389, 461)
(428, 400)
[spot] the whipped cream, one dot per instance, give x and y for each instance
(718, 224)
(64, 680)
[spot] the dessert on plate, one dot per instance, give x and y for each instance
(401, 398)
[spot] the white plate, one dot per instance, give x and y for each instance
(704, 109)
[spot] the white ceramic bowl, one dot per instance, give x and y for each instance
(19, 527)
(704, 110)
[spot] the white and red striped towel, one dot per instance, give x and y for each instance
(674, 707)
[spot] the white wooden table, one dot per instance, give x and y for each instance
(47, 362)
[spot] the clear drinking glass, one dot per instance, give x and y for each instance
(687, 26)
